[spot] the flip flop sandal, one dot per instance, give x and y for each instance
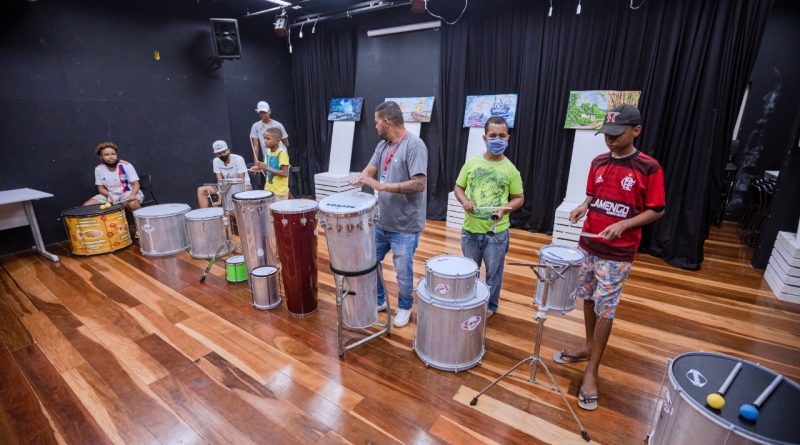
(586, 402)
(561, 357)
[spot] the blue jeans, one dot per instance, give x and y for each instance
(492, 251)
(403, 245)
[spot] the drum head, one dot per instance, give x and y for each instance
(699, 374)
(452, 265)
(161, 210)
(481, 297)
(91, 210)
(252, 195)
(207, 213)
(560, 254)
(347, 203)
(264, 271)
(235, 259)
(293, 206)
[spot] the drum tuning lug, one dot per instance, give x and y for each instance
(350, 227)
(303, 221)
(360, 226)
(285, 222)
(338, 227)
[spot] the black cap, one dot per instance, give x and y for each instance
(619, 118)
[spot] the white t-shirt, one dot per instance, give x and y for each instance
(117, 181)
(236, 166)
(258, 129)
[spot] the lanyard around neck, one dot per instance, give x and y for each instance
(391, 155)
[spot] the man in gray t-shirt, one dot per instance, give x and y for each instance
(400, 164)
(259, 127)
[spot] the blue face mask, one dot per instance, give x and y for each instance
(496, 146)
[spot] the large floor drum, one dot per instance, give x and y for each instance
(685, 418)
(569, 260)
(255, 228)
(295, 224)
(451, 335)
(93, 230)
(206, 231)
(161, 229)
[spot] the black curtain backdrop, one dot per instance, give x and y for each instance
(690, 59)
(323, 67)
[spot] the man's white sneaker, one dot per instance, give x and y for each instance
(382, 307)
(402, 317)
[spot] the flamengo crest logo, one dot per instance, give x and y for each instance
(628, 182)
(611, 117)
(599, 180)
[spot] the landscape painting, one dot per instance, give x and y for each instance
(480, 108)
(346, 109)
(587, 109)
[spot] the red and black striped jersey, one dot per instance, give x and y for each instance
(621, 189)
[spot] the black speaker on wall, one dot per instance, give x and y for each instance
(226, 39)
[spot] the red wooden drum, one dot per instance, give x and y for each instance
(295, 223)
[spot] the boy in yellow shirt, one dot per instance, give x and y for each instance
(275, 165)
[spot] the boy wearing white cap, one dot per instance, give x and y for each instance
(226, 165)
(258, 129)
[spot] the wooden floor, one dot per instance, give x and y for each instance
(122, 348)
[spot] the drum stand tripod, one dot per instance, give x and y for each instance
(227, 246)
(341, 294)
(541, 316)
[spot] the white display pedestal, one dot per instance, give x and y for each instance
(783, 270)
(475, 146)
(586, 147)
(336, 179)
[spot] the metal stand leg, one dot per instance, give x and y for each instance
(534, 359)
(341, 294)
(227, 246)
(37, 235)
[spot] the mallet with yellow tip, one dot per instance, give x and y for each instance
(716, 400)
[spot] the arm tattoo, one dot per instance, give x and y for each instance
(413, 185)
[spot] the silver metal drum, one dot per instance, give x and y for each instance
(451, 277)
(682, 415)
(266, 293)
(206, 231)
(559, 297)
(348, 220)
(161, 229)
(230, 187)
(255, 228)
(451, 335)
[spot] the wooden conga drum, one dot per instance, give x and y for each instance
(295, 223)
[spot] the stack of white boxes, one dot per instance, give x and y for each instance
(563, 232)
(783, 270)
(455, 213)
(329, 183)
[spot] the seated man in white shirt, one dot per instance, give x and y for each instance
(116, 180)
(226, 165)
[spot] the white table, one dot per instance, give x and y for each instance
(16, 210)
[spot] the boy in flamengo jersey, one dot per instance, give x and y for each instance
(625, 191)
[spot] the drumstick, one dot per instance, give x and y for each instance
(750, 411)
(590, 235)
(716, 400)
(494, 208)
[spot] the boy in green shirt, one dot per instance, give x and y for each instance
(275, 165)
(489, 187)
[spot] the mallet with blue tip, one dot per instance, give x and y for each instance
(750, 411)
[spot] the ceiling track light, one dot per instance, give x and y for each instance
(550, 11)
(578, 11)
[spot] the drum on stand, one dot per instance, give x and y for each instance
(93, 230)
(348, 220)
(451, 334)
(683, 416)
(295, 224)
(559, 297)
(206, 231)
(451, 277)
(161, 229)
(230, 187)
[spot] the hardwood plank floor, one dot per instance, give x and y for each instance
(122, 348)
